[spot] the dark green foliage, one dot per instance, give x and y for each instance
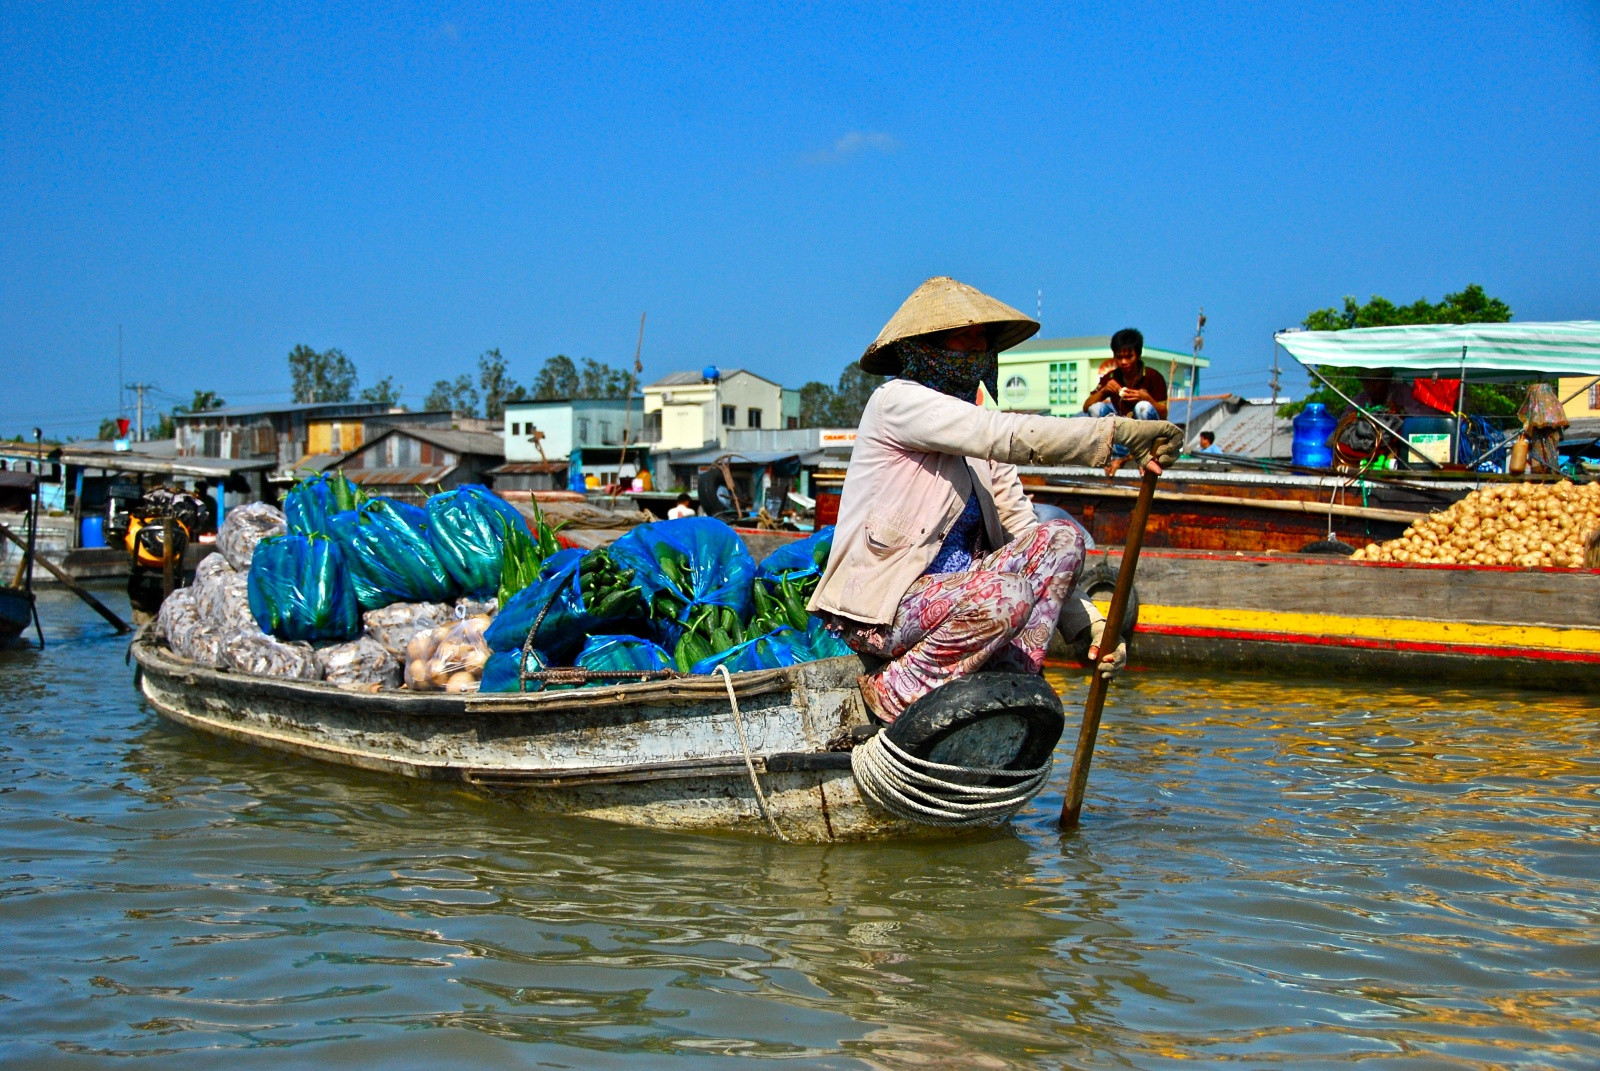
(822, 406)
(328, 376)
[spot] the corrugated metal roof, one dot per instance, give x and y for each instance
(421, 475)
(308, 408)
(482, 443)
(528, 468)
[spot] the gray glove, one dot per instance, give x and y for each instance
(1148, 440)
(1110, 663)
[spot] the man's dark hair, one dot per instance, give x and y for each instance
(683, 499)
(1208, 437)
(1128, 338)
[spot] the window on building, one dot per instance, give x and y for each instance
(605, 431)
(516, 428)
(583, 429)
(1015, 391)
(752, 418)
(730, 416)
(1594, 396)
(1063, 383)
(792, 422)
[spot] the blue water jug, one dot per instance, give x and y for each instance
(93, 533)
(1311, 431)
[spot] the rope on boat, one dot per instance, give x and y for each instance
(749, 763)
(913, 788)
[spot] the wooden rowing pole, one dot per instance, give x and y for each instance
(71, 585)
(1072, 802)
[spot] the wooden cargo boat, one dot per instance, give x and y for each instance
(16, 612)
(1329, 616)
(667, 754)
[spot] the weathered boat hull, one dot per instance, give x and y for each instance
(665, 754)
(16, 612)
(1331, 617)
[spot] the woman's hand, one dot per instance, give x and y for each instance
(1149, 442)
(1108, 666)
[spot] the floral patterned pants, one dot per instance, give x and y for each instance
(999, 614)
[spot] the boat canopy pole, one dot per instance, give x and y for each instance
(1373, 420)
(1461, 406)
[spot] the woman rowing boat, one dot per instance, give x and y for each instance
(938, 563)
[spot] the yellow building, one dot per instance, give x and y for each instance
(1586, 401)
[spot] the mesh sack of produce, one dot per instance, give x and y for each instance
(300, 590)
(186, 632)
(467, 607)
(244, 527)
(250, 651)
(222, 595)
(363, 662)
(622, 654)
(449, 658)
(386, 549)
(773, 650)
(395, 626)
(500, 673)
(467, 527)
(311, 503)
(684, 565)
(802, 558)
(563, 596)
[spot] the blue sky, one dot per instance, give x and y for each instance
(415, 184)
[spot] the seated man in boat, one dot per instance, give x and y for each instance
(938, 563)
(1129, 389)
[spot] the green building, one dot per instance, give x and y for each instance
(1055, 375)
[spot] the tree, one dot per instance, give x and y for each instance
(822, 406)
(1470, 305)
(329, 376)
(459, 396)
(108, 429)
(204, 401)
(492, 378)
(598, 380)
(384, 392)
(557, 379)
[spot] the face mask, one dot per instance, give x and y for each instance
(950, 371)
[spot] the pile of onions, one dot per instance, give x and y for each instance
(1525, 524)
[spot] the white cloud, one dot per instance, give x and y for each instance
(857, 141)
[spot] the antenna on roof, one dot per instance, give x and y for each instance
(1038, 309)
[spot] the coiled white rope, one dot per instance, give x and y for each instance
(749, 763)
(912, 788)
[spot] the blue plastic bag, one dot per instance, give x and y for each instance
(772, 650)
(798, 559)
(466, 530)
(299, 589)
(386, 549)
(719, 567)
(500, 672)
(568, 622)
(312, 503)
(618, 653)
(820, 643)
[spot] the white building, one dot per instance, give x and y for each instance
(541, 438)
(691, 410)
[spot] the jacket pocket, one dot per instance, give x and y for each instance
(888, 530)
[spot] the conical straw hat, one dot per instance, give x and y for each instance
(942, 304)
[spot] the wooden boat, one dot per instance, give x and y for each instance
(664, 753)
(16, 612)
(1329, 616)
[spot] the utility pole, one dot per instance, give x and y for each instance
(1272, 439)
(1194, 369)
(122, 404)
(139, 389)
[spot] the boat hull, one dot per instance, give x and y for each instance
(665, 754)
(16, 612)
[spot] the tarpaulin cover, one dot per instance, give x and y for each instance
(300, 589)
(312, 502)
(500, 673)
(719, 567)
(798, 559)
(386, 549)
(622, 653)
(773, 650)
(466, 529)
(1492, 351)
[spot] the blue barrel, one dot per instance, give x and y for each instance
(93, 532)
(1312, 428)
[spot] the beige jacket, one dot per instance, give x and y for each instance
(910, 477)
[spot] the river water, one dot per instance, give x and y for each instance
(1270, 875)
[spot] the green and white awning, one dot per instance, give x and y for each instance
(1485, 351)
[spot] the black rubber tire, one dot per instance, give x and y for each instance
(1101, 579)
(715, 499)
(1328, 546)
(963, 703)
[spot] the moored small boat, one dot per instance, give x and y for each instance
(16, 611)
